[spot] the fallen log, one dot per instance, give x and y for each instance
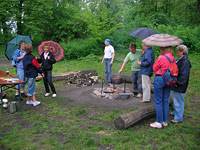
(126, 120)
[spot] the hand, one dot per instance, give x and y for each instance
(142, 51)
(120, 71)
(42, 75)
(111, 62)
(102, 61)
(48, 57)
(138, 63)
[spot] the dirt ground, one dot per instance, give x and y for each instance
(4, 62)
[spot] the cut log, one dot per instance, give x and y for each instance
(126, 120)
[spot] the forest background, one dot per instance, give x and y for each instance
(81, 26)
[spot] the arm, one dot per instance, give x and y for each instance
(113, 56)
(123, 65)
(102, 60)
(147, 60)
(51, 59)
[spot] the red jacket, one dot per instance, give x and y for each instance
(162, 63)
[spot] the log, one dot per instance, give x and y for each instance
(126, 120)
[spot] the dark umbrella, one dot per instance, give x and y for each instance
(13, 44)
(55, 48)
(162, 40)
(142, 33)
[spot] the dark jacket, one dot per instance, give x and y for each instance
(47, 64)
(147, 62)
(31, 66)
(183, 75)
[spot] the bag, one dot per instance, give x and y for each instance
(13, 62)
(170, 75)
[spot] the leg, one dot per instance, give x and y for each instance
(134, 80)
(139, 82)
(109, 71)
(166, 93)
(49, 79)
(106, 69)
(46, 82)
(146, 87)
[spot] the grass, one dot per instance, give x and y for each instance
(57, 125)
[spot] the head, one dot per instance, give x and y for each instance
(46, 49)
(182, 50)
(166, 49)
(144, 47)
(132, 47)
(107, 42)
(28, 48)
(22, 45)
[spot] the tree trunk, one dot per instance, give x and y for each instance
(19, 18)
(198, 5)
(129, 119)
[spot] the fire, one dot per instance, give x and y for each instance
(113, 90)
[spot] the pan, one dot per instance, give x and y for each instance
(116, 79)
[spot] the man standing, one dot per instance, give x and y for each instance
(134, 56)
(146, 70)
(179, 88)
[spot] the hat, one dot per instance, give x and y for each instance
(107, 40)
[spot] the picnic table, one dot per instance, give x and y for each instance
(8, 81)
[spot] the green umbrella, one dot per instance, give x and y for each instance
(13, 44)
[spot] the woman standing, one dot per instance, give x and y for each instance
(161, 90)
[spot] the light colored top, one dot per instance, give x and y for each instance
(134, 58)
(45, 55)
(108, 51)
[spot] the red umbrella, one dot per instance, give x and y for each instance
(55, 48)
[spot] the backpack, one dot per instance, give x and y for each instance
(170, 75)
(13, 62)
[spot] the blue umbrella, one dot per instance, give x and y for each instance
(13, 44)
(142, 33)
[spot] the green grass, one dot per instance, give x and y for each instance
(60, 126)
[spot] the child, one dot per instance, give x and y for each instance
(47, 59)
(31, 70)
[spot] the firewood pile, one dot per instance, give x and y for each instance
(82, 79)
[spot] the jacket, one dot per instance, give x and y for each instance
(31, 66)
(47, 64)
(162, 63)
(146, 66)
(16, 54)
(184, 66)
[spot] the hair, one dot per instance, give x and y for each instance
(28, 48)
(46, 46)
(21, 43)
(183, 48)
(132, 45)
(145, 45)
(166, 49)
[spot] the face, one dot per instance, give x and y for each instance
(132, 50)
(179, 54)
(46, 49)
(22, 46)
(107, 43)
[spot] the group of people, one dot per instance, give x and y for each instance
(27, 68)
(142, 68)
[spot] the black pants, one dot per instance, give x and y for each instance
(48, 81)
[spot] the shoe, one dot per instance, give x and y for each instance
(139, 95)
(175, 121)
(156, 125)
(164, 124)
(54, 95)
(23, 95)
(35, 103)
(47, 94)
(142, 101)
(29, 102)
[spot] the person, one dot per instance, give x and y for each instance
(18, 56)
(146, 70)
(47, 59)
(108, 59)
(180, 87)
(134, 56)
(161, 90)
(31, 70)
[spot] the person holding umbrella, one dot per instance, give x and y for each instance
(18, 56)
(108, 58)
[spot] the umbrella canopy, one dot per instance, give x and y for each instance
(55, 48)
(13, 44)
(142, 33)
(162, 40)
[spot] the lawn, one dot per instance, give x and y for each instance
(59, 125)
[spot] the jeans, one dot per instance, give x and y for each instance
(108, 69)
(31, 86)
(136, 81)
(178, 105)
(146, 87)
(21, 76)
(48, 81)
(161, 97)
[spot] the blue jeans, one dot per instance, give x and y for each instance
(31, 86)
(161, 97)
(178, 103)
(21, 76)
(108, 69)
(136, 81)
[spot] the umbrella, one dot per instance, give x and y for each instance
(55, 48)
(13, 44)
(162, 40)
(142, 33)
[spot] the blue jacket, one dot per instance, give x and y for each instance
(16, 54)
(147, 62)
(183, 75)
